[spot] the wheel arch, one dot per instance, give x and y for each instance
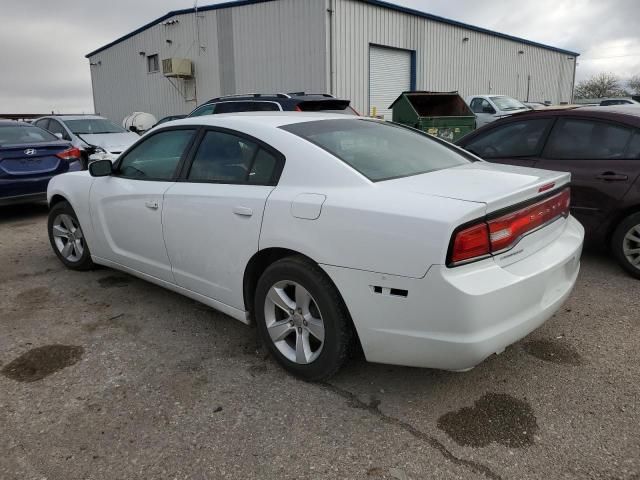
(619, 218)
(57, 198)
(261, 261)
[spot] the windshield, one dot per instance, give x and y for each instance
(379, 150)
(24, 134)
(93, 126)
(508, 103)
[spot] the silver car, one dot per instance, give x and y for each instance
(489, 108)
(92, 134)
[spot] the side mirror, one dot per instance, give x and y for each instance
(59, 135)
(101, 168)
(134, 129)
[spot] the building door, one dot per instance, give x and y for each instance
(389, 76)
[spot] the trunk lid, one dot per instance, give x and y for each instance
(497, 186)
(34, 159)
(502, 189)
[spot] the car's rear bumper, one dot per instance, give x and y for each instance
(454, 318)
(25, 189)
(28, 198)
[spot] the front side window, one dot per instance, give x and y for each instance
(153, 63)
(24, 134)
(44, 123)
(378, 150)
(226, 158)
(88, 126)
(56, 127)
(585, 139)
(156, 157)
(517, 139)
(481, 105)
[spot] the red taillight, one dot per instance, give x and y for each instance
(471, 242)
(298, 109)
(70, 154)
(500, 233)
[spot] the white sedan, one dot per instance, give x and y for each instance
(326, 231)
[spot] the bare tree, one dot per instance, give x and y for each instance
(634, 84)
(599, 86)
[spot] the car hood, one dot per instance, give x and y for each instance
(111, 142)
(497, 186)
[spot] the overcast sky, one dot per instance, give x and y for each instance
(43, 42)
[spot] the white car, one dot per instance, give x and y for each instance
(489, 108)
(97, 137)
(326, 230)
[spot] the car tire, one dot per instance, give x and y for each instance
(294, 340)
(67, 239)
(625, 244)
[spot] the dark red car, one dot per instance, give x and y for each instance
(600, 146)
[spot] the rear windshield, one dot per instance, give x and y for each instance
(329, 106)
(93, 126)
(379, 150)
(24, 134)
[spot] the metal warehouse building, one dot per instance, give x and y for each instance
(364, 50)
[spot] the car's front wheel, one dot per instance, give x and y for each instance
(301, 318)
(67, 238)
(626, 244)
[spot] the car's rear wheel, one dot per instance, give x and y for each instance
(626, 244)
(67, 239)
(301, 318)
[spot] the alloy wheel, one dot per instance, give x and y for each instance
(631, 246)
(68, 237)
(294, 322)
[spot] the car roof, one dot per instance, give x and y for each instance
(273, 119)
(73, 117)
(275, 97)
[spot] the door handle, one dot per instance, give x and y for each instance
(152, 204)
(612, 177)
(243, 211)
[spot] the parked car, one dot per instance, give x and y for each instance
(29, 158)
(607, 102)
(489, 108)
(599, 146)
(90, 133)
(324, 229)
(260, 102)
(169, 119)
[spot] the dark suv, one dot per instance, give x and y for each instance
(599, 146)
(261, 102)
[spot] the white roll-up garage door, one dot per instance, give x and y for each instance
(389, 76)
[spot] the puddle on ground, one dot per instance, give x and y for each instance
(553, 351)
(114, 281)
(41, 362)
(495, 417)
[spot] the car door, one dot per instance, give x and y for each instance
(514, 143)
(126, 207)
(596, 153)
(213, 215)
(484, 111)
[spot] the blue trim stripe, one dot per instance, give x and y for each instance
(414, 75)
(378, 3)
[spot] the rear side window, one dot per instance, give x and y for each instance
(378, 150)
(587, 139)
(233, 107)
(634, 147)
(156, 157)
(24, 134)
(226, 158)
(203, 110)
(516, 139)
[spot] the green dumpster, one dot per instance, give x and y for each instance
(442, 114)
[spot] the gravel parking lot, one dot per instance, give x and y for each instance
(107, 376)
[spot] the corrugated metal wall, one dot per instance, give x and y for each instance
(443, 60)
(282, 46)
(269, 47)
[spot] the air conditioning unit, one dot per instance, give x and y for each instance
(177, 67)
